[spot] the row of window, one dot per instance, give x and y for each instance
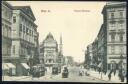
(28, 23)
(114, 26)
(112, 15)
(50, 61)
(26, 30)
(113, 37)
(116, 50)
(27, 38)
(22, 50)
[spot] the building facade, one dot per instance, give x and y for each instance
(24, 38)
(89, 57)
(95, 53)
(114, 14)
(7, 10)
(69, 60)
(49, 51)
(102, 48)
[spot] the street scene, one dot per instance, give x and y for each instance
(64, 41)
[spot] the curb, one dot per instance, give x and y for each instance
(21, 78)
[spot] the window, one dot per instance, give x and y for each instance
(30, 32)
(121, 37)
(121, 14)
(14, 19)
(50, 60)
(21, 27)
(121, 49)
(120, 25)
(112, 49)
(112, 15)
(9, 32)
(24, 29)
(112, 37)
(112, 26)
(13, 49)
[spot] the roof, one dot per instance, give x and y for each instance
(113, 4)
(49, 38)
(26, 9)
(7, 4)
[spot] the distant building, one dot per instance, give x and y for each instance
(89, 55)
(86, 59)
(102, 48)
(95, 52)
(68, 60)
(49, 51)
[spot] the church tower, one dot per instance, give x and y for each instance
(61, 46)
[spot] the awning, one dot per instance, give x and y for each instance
(10, 65)
(4, 66)
(25, 66)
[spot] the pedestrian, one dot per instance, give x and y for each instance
(109, 76)
(122, 78)
(122, 75)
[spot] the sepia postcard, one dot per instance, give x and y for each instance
(64, 41)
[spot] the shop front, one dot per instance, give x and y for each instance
(25, 69)
(10, 68)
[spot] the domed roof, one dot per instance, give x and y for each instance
(49, 38)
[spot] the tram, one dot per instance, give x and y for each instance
(38, 71)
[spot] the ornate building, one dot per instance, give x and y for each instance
(24, 38)
(49, 51)
(50, 55)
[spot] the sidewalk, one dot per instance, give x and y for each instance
(102, 76)
(14, 78)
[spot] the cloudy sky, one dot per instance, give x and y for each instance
(77, 22)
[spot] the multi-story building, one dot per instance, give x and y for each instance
(49, 51)
(114, 14)
(69, 61)
(95, 52)
(6, 35)
(36, 52)
(89, 56)
(102, 48)
(24, 38)
(86, 59)
(89, 51)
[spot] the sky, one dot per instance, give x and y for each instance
(77, 22)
